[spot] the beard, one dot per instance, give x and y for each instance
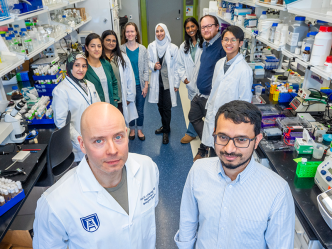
(231, 166)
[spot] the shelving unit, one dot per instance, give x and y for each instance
(81, 24)
(30, 14)
(272, 6)
(13, 63)
(270, 44)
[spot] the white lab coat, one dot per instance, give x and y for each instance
(68, 96)
(188, 69)
(128, 88)
(62, 211)
(171, 55)
(236, 84)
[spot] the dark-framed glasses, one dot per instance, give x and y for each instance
(239, 142)
(207, 26)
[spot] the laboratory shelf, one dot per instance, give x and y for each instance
(223, 19)
(57, 6)
(320, 71)
(248, 2)
(82, 23)
(77, 1)
(7, 21)
(11, 62)
(301, 62)
(31, 14)
(270, 44)
(38, 49)
(318, 14)
(272, 6)
(58, 38)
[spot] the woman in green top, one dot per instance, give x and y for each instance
(100, 71)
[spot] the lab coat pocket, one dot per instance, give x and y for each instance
(148, 227)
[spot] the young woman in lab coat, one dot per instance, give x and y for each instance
(232, 80)
(100, 71)
(189, 61)
(74, 94)
(124, 75)
(164, 77)
(139, 59)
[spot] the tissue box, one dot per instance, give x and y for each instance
(302, 147)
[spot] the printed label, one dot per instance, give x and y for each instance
(292, 39)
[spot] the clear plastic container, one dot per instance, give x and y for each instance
(318, 151)
(322, 46)
(296, 32)
(283, 35)
(263, 16)
(273, 31)
(10, 44)
(277, 35)
(309, 41)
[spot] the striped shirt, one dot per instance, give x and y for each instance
(254, 211)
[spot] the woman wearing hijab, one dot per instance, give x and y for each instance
(73, 94)
(124, 75)
(164, 77)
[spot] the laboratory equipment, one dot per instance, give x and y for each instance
(325, 206)
(277, 35)
(272, 134)
(304, 145)
(323, 176)
(296, 124)
(318, 151)
(316, 27)
(258, 89)
(308, 41)
(14, 118)
(328, 64)
(322, 46)
(299, 104)
(273, 31)
(296, 32)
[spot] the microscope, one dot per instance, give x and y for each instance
(13, 125)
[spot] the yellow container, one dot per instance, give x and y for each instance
(276, 95)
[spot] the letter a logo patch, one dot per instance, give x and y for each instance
(90, 223)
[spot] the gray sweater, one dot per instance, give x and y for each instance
(143, 63)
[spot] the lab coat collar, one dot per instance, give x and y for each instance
(238, 59)
(89, 183)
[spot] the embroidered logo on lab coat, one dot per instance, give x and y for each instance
(90, 223)
(148, 197)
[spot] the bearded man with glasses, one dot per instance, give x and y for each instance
(232, 201)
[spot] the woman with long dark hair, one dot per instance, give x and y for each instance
(100, 71)
(124, 74)
(139, 60)
(188, 65)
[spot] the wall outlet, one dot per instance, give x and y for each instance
(130, 16)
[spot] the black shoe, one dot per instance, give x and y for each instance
(131, 137)
(165, 138)
(141, 138)
(159, 131)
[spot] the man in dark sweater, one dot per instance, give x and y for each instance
(212, 52)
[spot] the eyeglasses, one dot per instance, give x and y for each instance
(207, 26)
(233, 40)
(239, 142)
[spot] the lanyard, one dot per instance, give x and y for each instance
(81, 92)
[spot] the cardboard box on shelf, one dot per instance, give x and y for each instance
(16, 239)
(82, 12)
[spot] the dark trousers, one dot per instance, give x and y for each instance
(120, 107)
(164, 107)
(196, 114)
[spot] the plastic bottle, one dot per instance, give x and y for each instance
(309, 41)
(315, 28)
(306, 54)
(283, 35)
(10, 44)
(298, 49)
(277, 34)
(17, 28)
(296, 32)
(273, 31)
(276, 95)
(322, 46)
(263, 16)
(2, 201)
(10, 31)
(328, 64)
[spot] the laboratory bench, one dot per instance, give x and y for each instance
(7, 218)
(304, 192)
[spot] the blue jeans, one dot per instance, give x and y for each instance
(191, 131)
(139, 101)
